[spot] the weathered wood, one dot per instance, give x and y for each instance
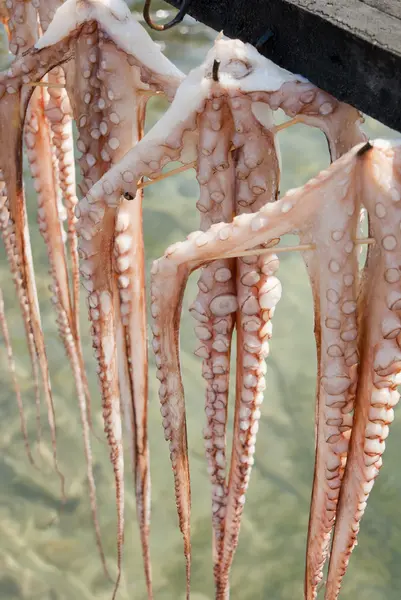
(350, 48)
(391, 7)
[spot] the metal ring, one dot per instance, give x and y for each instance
(177, 19)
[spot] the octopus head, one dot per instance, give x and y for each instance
(242, 67)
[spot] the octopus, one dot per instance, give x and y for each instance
(91, 62)
(100, 67)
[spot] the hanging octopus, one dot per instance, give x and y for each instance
(95, 63)
(250, 290)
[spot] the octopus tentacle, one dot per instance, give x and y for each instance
(339, 122)
(11, 364)
(258, 290)
(97, 273)
(129, 274)
(58, 111)
(14, 260)
(21, 268)
(41, 162)
(171, 393)
(59, 114)
(216, 303)
(21, 262)
(21, 25)
(378, 344)
(131, 285)
(333, 272)
(8, 235)
(19, 218)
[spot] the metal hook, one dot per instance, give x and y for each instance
(177, 19)
(215, 71)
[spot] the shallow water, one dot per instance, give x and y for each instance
(49, 554)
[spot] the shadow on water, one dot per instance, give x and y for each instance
(60, 561)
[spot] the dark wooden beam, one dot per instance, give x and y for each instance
(350, 48)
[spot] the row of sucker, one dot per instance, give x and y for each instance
(118, 74)
(333, 272)
(58, 111)
(95, 228)
(379, 338)
(257, 178)
(216, 303)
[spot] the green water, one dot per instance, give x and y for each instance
(48, 555)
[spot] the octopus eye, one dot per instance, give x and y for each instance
(238, 69)
(128, 196)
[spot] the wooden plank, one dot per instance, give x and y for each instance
(391, 7)
(350, 48)
(370, 20)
